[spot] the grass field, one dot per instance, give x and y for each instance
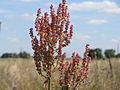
(20, 74)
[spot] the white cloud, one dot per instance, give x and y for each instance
(94, 31)
(28, 16)
(13, 40)
(96, 21)
(91, 31)
(25, 16)
(9, 16)
(103, 36)
(84, 37)
(28, 0)
(81, 37)
(3, 11)
(117, 40)
(104, 6)
(113, 11)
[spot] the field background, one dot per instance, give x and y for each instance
(20, 74)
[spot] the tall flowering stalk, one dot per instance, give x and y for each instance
(53, 34)
(73, 74)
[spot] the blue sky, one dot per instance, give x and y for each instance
(96, 22)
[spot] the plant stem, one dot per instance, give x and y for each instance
(110, 64)
(65, 88)
(49, 83)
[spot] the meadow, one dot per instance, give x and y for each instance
(20, 74)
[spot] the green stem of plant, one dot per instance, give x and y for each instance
(65, 88)
(49, 83)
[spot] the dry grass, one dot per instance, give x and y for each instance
(22, 73)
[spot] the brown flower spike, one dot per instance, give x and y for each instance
(74, 73)
(53, 33)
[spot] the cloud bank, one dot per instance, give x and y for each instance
(104, 6)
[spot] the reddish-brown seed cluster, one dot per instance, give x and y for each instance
(74, 73)
(53, 33)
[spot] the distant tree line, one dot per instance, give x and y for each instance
(22, 54)
(98, 54)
